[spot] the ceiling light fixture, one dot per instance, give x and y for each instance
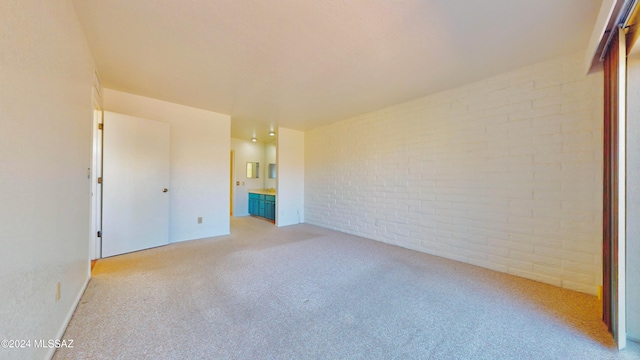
(272, 133)
(254, 139)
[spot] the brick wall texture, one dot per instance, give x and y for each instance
(504, 173)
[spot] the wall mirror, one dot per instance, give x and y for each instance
(272, 171)
(253, 170)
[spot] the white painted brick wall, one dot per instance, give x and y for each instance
(504, 173)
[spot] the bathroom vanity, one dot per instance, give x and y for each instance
(262, 202)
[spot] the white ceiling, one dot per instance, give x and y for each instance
(304, 63)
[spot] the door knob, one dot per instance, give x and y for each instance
(165, 190)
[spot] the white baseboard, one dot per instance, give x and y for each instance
(63, 328)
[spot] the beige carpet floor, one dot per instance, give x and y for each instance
(304, 292)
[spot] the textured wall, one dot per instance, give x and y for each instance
(200, 143)
(503, 173)
(45, 151)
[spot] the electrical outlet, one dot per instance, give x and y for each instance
(200, 220)
(58, 291)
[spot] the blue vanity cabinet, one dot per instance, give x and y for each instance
(263, 206)
(270, 207)
(254, 204)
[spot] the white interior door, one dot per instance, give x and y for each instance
(135, 207)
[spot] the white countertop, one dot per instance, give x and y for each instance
(262, 192)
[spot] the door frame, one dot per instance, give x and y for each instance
(95, 242)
